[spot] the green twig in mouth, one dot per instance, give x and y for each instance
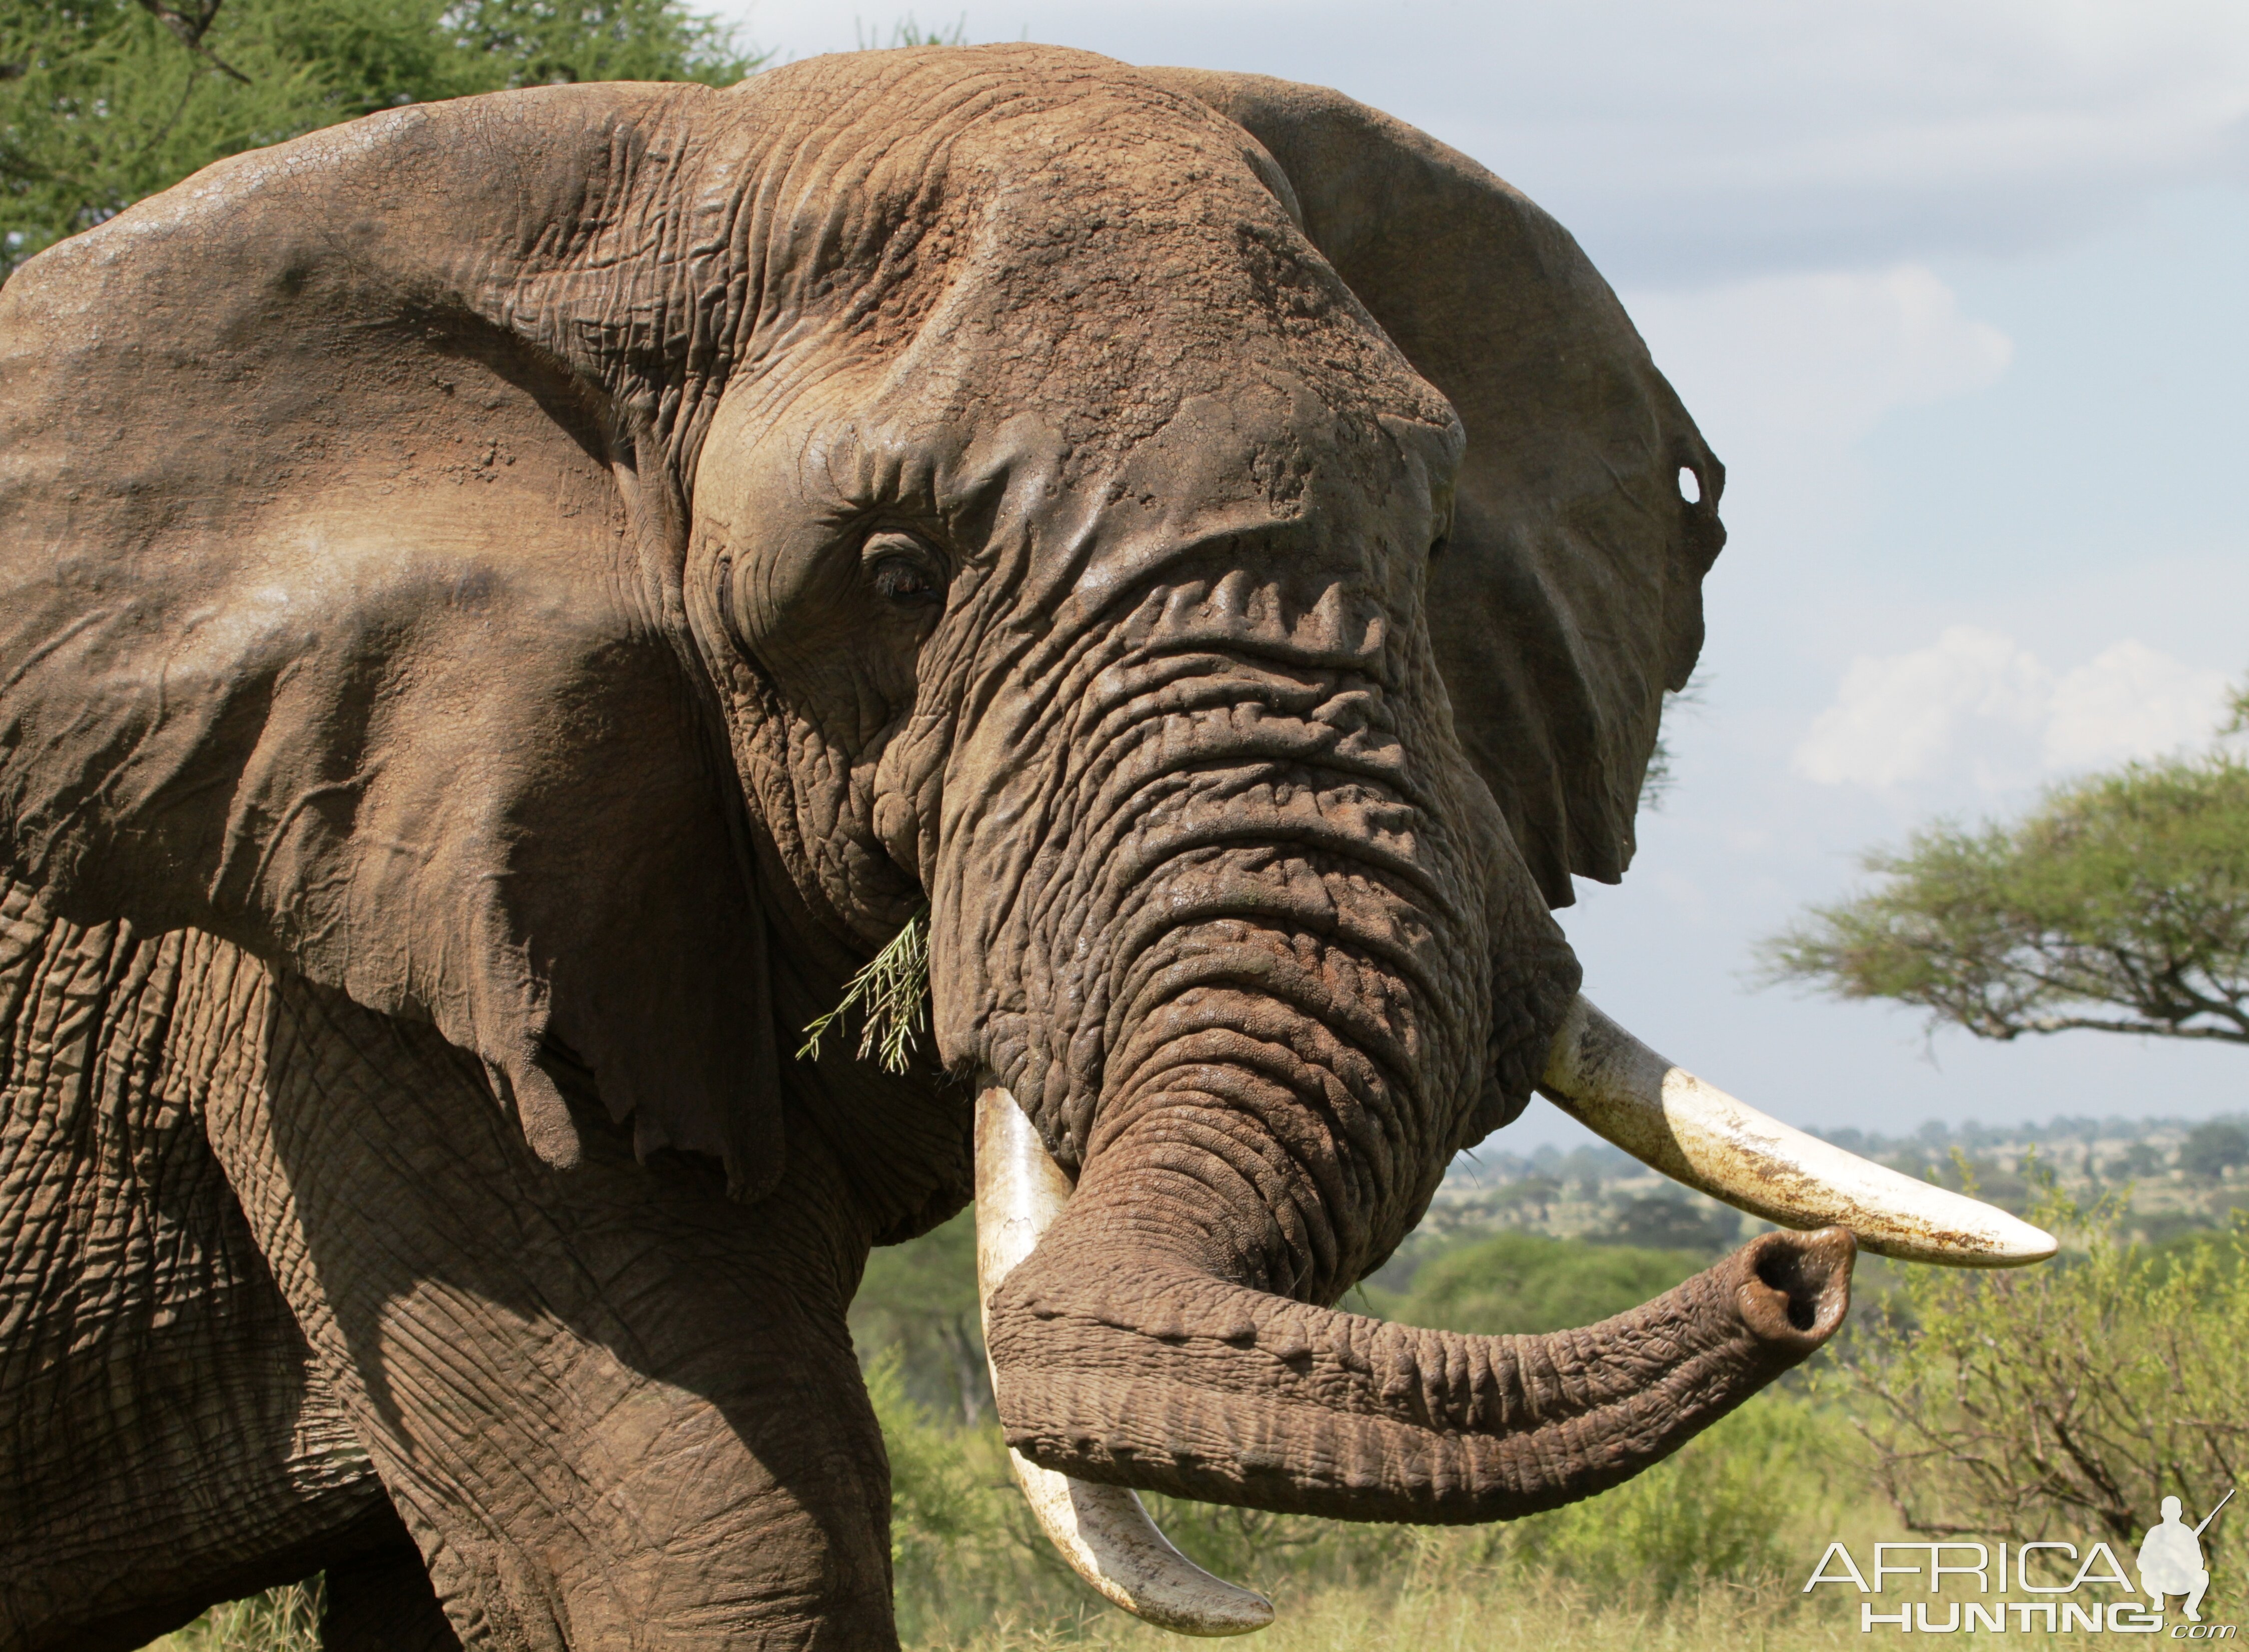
(892, 996)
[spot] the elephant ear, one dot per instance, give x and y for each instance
(341, 604)
(1569, 594)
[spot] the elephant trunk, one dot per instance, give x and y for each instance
(1124, 1357)
(1256, 956)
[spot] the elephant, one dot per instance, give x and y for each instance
(509, 604)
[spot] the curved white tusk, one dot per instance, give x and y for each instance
(1694, 1132)
(1102, 1531)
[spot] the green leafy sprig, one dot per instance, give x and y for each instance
(891, 995)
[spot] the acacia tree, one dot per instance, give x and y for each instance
(2121, 904)
(105, 101)
(2090, 1389)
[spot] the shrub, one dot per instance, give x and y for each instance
(105, 101)
(2086, 1390)
(1524, 1282)
(2213, 1149)
(1730, 1507)
(284, 1619)
(920, 1300)
(963, 1546)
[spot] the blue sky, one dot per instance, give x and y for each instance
(1956, 290)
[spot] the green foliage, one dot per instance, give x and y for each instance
(1732, 1506)
(907, 32)
(2121, 905)
(1669, 1221)
(529, 43)
(284, 1619)
(891, 995)
(2084, 1391)
(963, 1546)
(105, 101)
(1524, 1282)
(2213, 1148)
(2216, 1255)
(918, 1303)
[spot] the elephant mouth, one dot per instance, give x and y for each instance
(1427, 1426)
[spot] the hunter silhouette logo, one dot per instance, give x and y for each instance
(2171, 1564)
(2170, 1558)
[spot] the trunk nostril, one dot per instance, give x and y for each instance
(1798, 1285)
(1801, 1312)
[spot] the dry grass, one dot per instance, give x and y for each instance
(1501, 1611)
(286, 1620)
(1439, 1606)
(1707, 1552)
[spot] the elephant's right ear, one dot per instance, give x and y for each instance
(1569, 595)
(339, 594)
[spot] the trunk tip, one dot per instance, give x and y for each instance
(1795, 1288)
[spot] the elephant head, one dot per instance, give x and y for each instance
(582, 568)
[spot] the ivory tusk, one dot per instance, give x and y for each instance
(1102, 1531)
(1694, 1132)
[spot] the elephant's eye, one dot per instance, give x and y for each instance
(904, 570)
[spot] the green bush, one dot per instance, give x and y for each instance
(101, 103)
(2211, 1149)
(918, 1301)
(285, 1619)
(1732, 1507)
(2074, 1395)
(1526, 1283)
(963, 1546)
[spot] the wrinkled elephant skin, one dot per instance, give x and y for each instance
(505, 605)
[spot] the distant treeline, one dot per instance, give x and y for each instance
(2063, 1128)
(1600, 1163)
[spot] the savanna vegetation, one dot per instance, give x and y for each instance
(2062, 1402)
(2075, 1396)
(2065, 1401)
(105, 101)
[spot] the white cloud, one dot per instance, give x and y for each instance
(1685, 140)
(1785, 361)
(2129, 701)
(1893, 719)
(1786, 374)
(1978, 702)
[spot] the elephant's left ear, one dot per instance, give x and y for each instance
(1569, 596)
(339, 596)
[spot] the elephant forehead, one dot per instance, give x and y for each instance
(1049, 232)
